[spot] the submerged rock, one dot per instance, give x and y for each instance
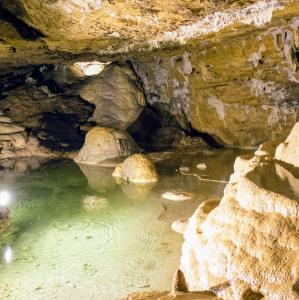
(102, 143)
(4, 218)
(248, 245)
(94, 203)
(137, 168)
(178, 195)
(4, 213)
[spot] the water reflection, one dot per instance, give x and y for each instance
(99, 178)
(137, 192)
(7, 254)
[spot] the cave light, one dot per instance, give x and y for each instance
(7, 254)
(90, 68)
(5, 198)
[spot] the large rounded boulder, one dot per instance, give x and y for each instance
(138, 169)
(116, 95)
(102, 143)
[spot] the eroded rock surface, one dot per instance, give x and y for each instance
(226, 88)
(15, 142)
(249, 243)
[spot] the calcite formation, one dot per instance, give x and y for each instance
(248, 244)
(102, 143)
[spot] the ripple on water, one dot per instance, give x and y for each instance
(72, 225)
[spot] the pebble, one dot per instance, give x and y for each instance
(201, 166)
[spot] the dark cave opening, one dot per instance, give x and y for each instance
(208, 138)
(60, 132)
(156, 129)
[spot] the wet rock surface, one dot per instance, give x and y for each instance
(138, 169)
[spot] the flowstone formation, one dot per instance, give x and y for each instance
(102, 143)
(248, 245)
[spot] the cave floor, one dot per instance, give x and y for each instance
(61, 245)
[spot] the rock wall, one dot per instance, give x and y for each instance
(243, 91)
(226, 69)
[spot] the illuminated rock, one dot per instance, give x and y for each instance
(102, 143)
(138, 169)
(248, 245)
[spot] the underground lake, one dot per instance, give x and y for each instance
(61, 244)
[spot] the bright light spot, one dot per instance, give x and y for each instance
(7, 255)
(90, 68)
(4, 198)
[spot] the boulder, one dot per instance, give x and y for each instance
(116, 95)
(102, 143)
(138, 169)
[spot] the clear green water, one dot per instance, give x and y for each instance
(55, 248)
